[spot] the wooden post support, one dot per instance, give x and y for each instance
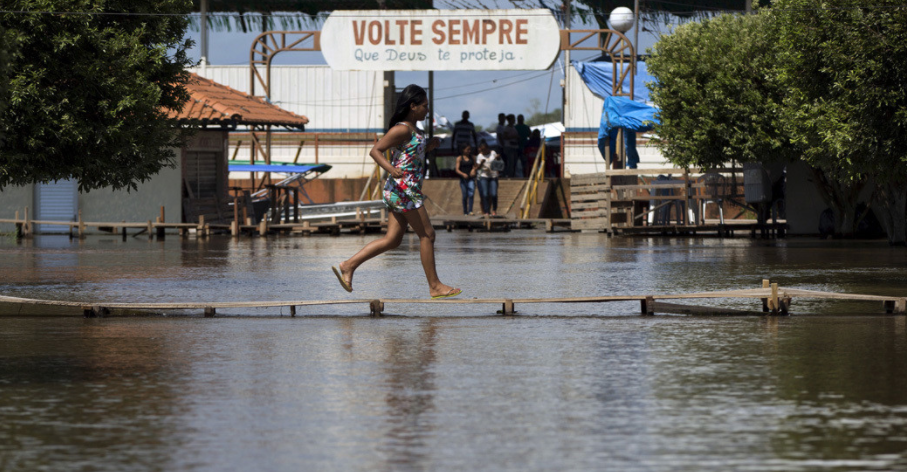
(18, 227)
(81, 226)
(898, 305)
(773, 301)
(507, 309)
(765, 284)
(150, 230)
(785, 306)
(210, 312)
(263, 227)
(235, 207)
(647, 306)
(292, 310)
(234, 228)
(124, 231)
(26, 227)
(376, 307)
(95, 311)
(161, 229)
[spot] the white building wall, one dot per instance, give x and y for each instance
(333, 101)
(15, 199)
(143, 204)
(583, 111)
(108, 205)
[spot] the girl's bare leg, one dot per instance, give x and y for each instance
(396, 227)
(418, 220)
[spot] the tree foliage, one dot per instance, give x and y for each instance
(660, 10)
(5, 48)
(843, 65)
(819, 81)
(265, 15)
(716, 97)
(87, 90)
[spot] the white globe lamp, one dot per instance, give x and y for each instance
(621, 19)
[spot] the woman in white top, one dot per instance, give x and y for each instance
(488, 164)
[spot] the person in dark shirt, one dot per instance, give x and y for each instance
(466, 169)
(464, 133)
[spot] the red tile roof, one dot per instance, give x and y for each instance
(218, 103)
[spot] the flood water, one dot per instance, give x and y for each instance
(451, 387)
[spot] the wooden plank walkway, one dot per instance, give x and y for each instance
(775, 300)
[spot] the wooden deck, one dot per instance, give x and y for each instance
(499, 223)
(775, 300)
(768, 230)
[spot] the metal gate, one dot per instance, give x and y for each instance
(56, 201)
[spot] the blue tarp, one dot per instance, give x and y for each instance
(597, 76)
(282, 169)
(633, 117)
(619, 112)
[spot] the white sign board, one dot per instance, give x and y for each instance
(440, 40)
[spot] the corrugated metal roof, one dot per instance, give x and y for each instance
(215, 103)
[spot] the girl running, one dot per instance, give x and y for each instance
(403, 192)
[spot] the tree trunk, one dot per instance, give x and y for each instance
(892, 199)
(841, 196)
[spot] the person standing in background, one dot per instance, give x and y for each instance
(511, 147)
(499, 133)
(523, 131)
(466, 169)
(464, 133)
(488, 165)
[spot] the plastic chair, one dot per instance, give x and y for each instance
(714, 191)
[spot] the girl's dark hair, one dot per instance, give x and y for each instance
(412, 94)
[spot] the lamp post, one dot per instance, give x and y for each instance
(622, 19)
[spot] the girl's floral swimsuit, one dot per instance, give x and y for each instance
(405, 194)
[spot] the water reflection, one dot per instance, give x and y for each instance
(451, 387)
(409, 394)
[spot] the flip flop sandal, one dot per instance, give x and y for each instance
(452, 293)
(346, 286)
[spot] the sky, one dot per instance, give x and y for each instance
(483, 93)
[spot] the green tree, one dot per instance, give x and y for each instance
(535, 116)
(659, 10)
(844, 65)
(5, 46)
(88, 90)
(716, 97)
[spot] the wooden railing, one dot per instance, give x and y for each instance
(536, 176)
(625, 197)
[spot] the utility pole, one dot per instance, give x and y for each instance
(636, 34)
(566, 64)
(204, 34)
